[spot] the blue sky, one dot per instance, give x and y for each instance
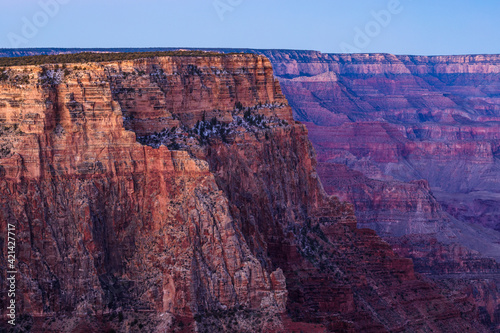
(394, 26)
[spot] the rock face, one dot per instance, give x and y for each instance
(178, 194)
(105, 223)
(413, 143)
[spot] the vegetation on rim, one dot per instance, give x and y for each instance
(85, 57)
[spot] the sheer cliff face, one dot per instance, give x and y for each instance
(105, 223)
(178, 193)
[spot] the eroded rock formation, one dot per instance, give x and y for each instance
(412, 142)
(229, 229)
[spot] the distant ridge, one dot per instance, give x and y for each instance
(23, 52)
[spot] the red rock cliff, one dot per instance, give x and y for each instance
(178, 194)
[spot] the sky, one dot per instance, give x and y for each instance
(426, 27)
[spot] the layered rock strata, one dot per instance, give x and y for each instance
(178, 194)
(412, 142)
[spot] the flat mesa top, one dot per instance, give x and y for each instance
(85, 57)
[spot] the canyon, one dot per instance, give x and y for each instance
(405, 118)
(413, 143)
(178, 193)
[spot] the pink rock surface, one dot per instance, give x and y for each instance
(413, 143)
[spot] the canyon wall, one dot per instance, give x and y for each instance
(405, 118)
(178, 194)
(412, 142)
